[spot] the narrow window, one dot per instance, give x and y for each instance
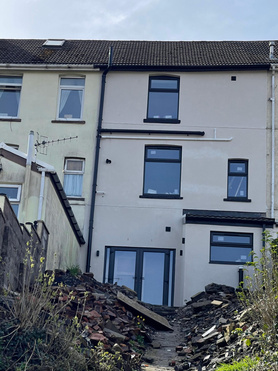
(162, 172)
(73, 177)
(71, 98)
(13, 193)
(163, 100)
(237, 180)
(10, 88)
(231, 247)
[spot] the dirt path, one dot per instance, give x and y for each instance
(163, 353)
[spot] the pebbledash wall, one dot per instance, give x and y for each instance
(38, 106)
(232, 114)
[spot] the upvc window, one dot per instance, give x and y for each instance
(73, 177)
(231, 247)
(13, 193)
(10, 88)
(237, 180)
(71, 98)
(163, 99)
(162, 172)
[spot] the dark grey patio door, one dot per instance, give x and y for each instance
(149, 272)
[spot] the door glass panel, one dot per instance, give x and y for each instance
(153, 278)
(124, 268)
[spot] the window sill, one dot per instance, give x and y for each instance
(76, 198)
(162, 121)
(230, 263)
(10, 119)
(237, 199)
(171, 197)
(68, 121)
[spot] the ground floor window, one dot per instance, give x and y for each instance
(149, 272)
(13, 193)
(231, 248)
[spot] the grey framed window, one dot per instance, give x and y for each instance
(231, 248)
(10, 89)
(162, 172)
(73, 177)
(163, 99)
(13, 193)
(149, 272)
(71, 98)
(237, 189)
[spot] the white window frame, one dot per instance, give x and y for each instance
(71, 87)
(16, 200)
(12, 86)
(75, 172)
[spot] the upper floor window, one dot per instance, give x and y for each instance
(13, 193)
(71, 98)
(231, 247)
(73, 177)
(237, 180)
(163, 99)
(162, 172)
(10, 88)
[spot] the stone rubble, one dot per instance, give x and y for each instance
(209, 325)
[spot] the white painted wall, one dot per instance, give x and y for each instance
(209, 102)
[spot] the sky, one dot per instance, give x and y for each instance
(188, 20)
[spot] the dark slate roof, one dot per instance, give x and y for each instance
(140, 54)
(228, 218)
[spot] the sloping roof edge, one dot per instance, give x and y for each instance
(20, 158)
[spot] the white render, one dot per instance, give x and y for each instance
(233, 115)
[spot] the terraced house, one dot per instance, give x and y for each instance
(173, 174)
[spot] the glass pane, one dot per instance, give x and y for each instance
(9, 100)
(164, 84)
(10, 80)
(10, 192)
(70, 104)
(73, 184)
(74, 165)
(162, 178)
(72, 82)
(232, 239)
(237, 167)
(231, 254)
(163, 105)
(153, 278)
(15, 208)
(124, 268)
(167, 154)
(237, 186)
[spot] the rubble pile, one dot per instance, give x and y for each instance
(212, 324)
(111, 315)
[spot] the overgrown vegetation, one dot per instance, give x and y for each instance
(260, 299)
(35, 333)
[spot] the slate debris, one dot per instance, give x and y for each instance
(210, 324)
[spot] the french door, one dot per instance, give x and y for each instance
(149, 272)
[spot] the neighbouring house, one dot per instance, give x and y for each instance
(176, 151)
(36, 195)
(52, 88)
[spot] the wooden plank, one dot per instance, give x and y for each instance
(157, 320)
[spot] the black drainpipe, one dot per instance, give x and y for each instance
(93, 199)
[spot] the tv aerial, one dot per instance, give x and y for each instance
(43, 142)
